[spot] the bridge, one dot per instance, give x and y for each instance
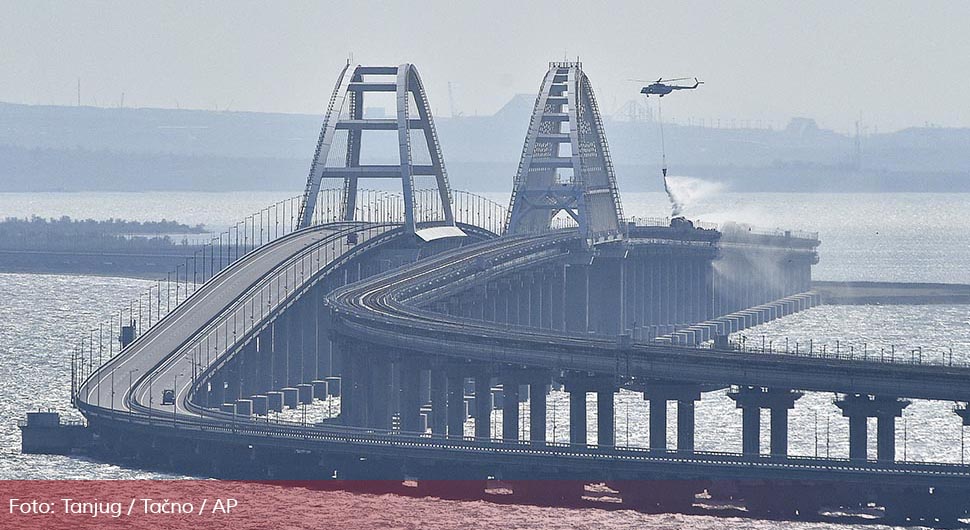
(421, 312)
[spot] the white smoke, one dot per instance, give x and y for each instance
(675, 205)
(685, 191)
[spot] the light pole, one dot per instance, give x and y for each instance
(816, 433)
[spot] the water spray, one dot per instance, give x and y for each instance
(676, 207)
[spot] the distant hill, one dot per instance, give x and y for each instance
(89, 148)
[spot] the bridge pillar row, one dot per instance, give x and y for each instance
(778, 401)
(657, 394)
(858, 408)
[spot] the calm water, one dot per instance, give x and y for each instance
(905, 237)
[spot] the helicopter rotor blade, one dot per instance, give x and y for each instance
(677, 79)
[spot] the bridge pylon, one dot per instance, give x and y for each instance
(565, 171)
(339, 149)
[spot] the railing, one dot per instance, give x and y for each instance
(887, 354)
(235, 325)
(105, 340)
(219, 423)
(664, 221)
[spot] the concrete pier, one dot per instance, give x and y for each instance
(858, 408)
(274, 401)
(456, 403)
(333, 385)
(291, 397)
(320, 390)
(657, 394)
(510, 408)
(778, 401)
(483, 405)
(410, 398)
(305, 393)
(244, 407)
(537, 410)
(260, 404)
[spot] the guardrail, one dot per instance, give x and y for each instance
(223, 423)
(108, 339)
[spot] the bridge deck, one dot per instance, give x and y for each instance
(381, 310)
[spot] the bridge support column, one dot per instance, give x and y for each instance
(537, 410)
(751, 430)
(503, 304)
(557, 302)
(309, 316)
(232, 381)
(658, 393)
(510, 408)
(606, 298)
(295, 327)
(490, 302)
(456, 403)
(279, 361)
(378, 381)
(685, 425)
(439, 402)
(353, 394)
(523, 295)
(578, 385)
(483, 405)
(576, 298)
(605, 418)
(751, 400)
(217, 393)
(265, 371)
(537, 300)
(859, 408)
(410, 397)
(577, 416)
(249, 369)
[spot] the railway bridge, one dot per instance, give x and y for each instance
(423, 314)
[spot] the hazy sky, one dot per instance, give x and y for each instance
(894, 63)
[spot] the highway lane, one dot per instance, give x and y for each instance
(385, 309)
(267, 273)
(162, 341)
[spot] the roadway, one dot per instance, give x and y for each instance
(158, 356)
(384, 308)
(388, 310)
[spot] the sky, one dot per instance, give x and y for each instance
(890, 64)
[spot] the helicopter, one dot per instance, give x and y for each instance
(661, 88)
